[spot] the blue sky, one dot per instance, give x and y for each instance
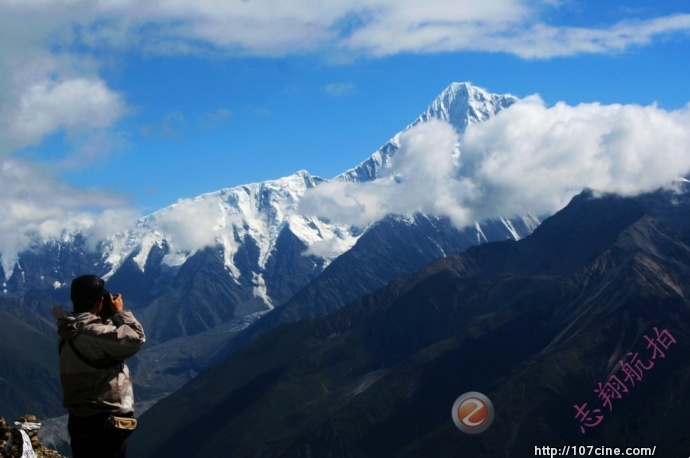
(108, 104)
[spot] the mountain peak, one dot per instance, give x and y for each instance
(460, 104)
(464, 88)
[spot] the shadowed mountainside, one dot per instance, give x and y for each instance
(537, 325)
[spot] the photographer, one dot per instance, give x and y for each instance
(95, 339)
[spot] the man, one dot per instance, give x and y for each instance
(95, 339)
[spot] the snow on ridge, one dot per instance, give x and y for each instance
(460, 104)
(260, 289)
(226, 218)
(530, 221)
(509, 225)
(262, 210)
(480, 233)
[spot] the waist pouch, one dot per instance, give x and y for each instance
(120, 427)
(123, 423)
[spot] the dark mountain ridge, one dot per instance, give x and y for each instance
(536, 325)
(393, 247)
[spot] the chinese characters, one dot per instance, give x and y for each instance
(632, 371)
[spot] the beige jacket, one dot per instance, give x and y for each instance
(89, 390)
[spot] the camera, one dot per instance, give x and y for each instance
(107, 309)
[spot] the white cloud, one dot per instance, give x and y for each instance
(528, 159)
(50, 49)
(536, 157)
(48, 106)
(330, 248)
(421, 178)
(44, 89)
(442, 27)
(191, 224)
(373, 27)
(543, 41)
(34, 204)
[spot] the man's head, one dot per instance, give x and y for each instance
(86, 291)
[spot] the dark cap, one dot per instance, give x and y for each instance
(86, 290)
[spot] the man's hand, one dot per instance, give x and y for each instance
(116, 304)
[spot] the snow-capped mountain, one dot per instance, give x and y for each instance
(229, 219)
(199, 272)
(460, 104)
(258, 213)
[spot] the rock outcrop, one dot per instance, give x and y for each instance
(21, 440)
